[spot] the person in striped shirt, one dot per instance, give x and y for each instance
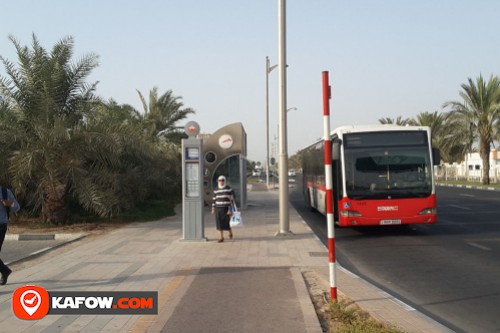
(221, 202)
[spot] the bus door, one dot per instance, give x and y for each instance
(336, 177)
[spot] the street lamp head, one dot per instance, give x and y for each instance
(269, 68)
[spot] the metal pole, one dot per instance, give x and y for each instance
(267, 121)
(268, 70)
(284, 227)
(329, 184)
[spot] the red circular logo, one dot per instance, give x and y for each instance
(30, 302)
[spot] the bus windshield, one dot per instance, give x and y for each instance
(388, 172)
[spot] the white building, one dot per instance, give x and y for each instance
(471, 168)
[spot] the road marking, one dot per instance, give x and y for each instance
(479, 246)
(467, 195)
(40, 251)
(460, 207)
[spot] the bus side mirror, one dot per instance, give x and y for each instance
(336, 150)
(436, 156)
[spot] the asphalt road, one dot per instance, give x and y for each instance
(14, 251)
(449, 271)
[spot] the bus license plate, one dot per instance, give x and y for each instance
(388, 222)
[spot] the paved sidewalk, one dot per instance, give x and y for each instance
(253, 283)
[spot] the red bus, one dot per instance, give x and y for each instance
(382, 175)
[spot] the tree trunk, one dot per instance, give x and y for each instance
(485, 156)
(54, 209)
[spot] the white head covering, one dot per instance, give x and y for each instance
(223, 184)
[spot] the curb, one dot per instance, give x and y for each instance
(41, 236)
(474, 187)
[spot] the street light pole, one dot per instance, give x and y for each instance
(268, 70)
(284, 227)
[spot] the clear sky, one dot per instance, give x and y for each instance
(385, 58)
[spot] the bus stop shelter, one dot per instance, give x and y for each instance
(225, 154)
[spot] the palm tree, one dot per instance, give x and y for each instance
(438, 125)
(478, 115)
(460, 135)
(10, 131)
(113, 113)
(162, 113)
(49, 101)
(64, 149)
(58, 155)
(398, 121)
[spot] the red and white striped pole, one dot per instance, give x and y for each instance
(329, 184)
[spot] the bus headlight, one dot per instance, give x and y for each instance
(427, 211)
(350, 213)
